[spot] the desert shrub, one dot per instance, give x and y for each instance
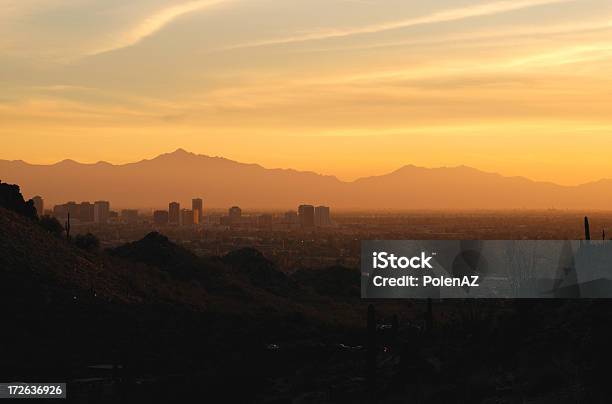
(87, 241)
(52, 225)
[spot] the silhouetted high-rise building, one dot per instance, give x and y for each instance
(291, 217)
(235, 214)
(39, 204)
(129, 216)
(101, 211)
(86, 212)
(198, 210)
(174, 213)
(160, 217)
(187, 217)
(61, 211)
(322, 216)
(73, 208)
(306, 215)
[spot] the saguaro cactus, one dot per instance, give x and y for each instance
(67, 227)
(587, 229)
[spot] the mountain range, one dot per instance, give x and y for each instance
(181, 176)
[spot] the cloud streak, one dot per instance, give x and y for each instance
(155, 22)
(455, 14)
(515, 32)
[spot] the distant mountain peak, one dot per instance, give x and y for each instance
(178, 154)
(181, 152)
(408, 167)
(67, 162)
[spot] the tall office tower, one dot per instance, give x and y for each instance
(198, 210)
(160, 217)
(60, 211)
(101, 211)
(86, 212)
(322, 217)
(73, 208)
(187, 217)
(306, 215)
(39, 204)
(291, 217)
(129, 216)
(174, 213)
(235, 214)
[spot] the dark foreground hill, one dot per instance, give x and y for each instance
(151, 322)
(148, 310)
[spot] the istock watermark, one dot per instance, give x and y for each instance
(543, 269)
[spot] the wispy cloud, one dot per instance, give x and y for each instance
(155, 22)
(454, 14)
(528, 32)
(568, 55)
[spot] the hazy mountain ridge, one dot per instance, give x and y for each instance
(222, 182)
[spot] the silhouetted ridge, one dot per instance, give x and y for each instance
(11, 199)
(258, 269)
(247, 256)
(68, 162)
(178, 154)
(157, 250)
(32, 257)
(155, 182)
(234, 272)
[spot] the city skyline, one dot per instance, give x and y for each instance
(362, 89)
(85, 212)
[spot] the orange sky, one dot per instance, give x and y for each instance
(344, 87)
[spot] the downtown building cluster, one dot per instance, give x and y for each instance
(307, 216)
(85, 212)
(180, 217)
(99, 212)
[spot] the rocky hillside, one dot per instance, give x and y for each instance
(151, 307)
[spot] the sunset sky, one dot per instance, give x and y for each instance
(343, 87)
